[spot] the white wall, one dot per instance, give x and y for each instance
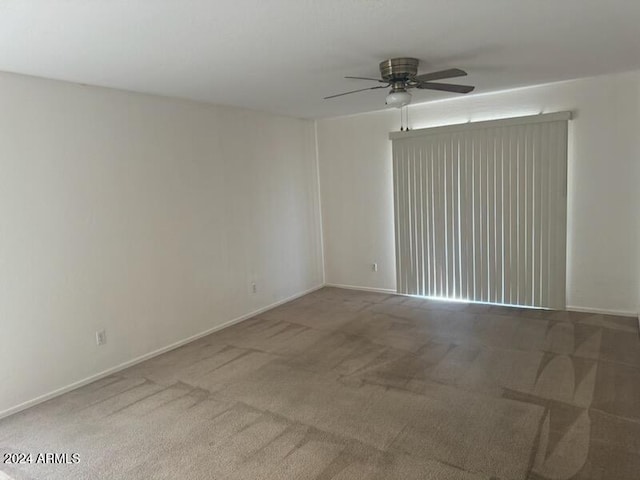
(603, 200)
(142, 215)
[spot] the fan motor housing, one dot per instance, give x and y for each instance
(399, 69)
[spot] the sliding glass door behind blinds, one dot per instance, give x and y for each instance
(480, 211)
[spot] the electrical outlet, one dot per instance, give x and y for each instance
(101, 337)
(252, 284)
(374, 267)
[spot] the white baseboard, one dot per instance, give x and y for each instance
(572, 308)
(147, 356)
(603, 311)
(160, 351)
(364, 289)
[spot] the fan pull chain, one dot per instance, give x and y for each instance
(404, 127)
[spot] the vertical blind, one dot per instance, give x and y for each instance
(480, 210)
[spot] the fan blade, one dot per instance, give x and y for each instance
(367, 78)
(446, 87)
(450, 73)
(354, 91)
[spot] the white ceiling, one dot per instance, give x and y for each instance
(283, 56)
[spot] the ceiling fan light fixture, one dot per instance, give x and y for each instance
(398, 99)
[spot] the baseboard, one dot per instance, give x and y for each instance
(603, 311)
(572, 308)
(173, 346)
(147, 356)
(364, 289)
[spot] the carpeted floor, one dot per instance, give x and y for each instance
(348, 385)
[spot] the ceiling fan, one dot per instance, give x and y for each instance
(401, 74)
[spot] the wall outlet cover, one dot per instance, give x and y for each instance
(101, 337)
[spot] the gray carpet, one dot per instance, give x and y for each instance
(347, 385)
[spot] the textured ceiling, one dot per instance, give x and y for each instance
(283, 56)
